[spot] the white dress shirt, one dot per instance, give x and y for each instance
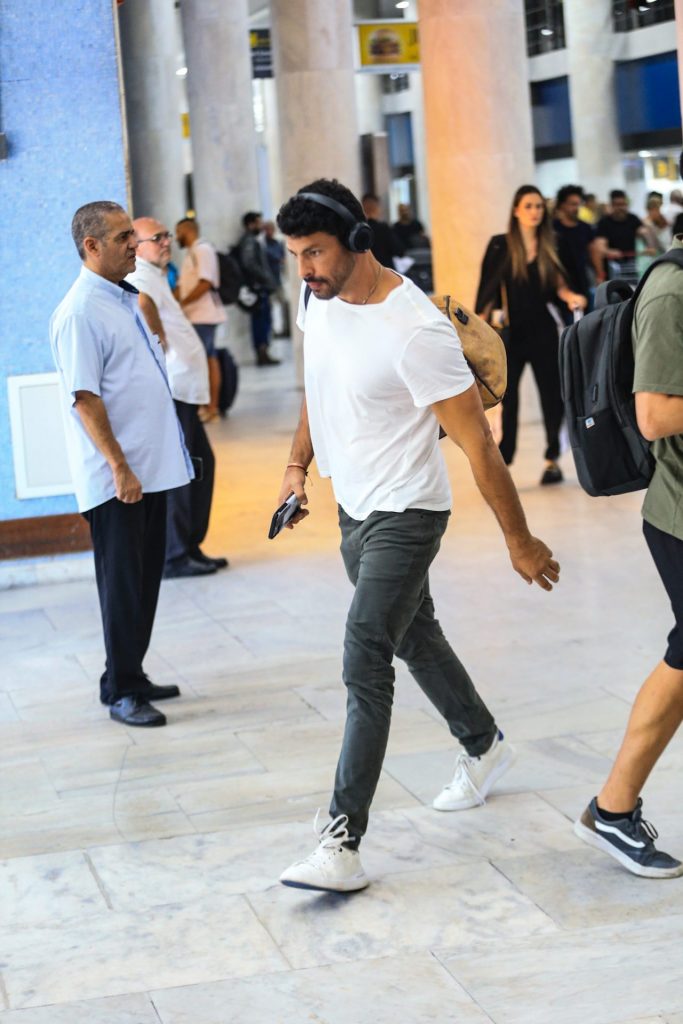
(188, 369)
(101, 344)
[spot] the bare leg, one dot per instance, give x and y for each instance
(656, 715)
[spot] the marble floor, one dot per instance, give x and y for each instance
(138, 869)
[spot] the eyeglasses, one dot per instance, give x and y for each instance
(161, 236)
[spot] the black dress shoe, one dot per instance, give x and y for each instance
(199, 556)
(155, 692)
(552, 475)
(183, 567)
(134, 710)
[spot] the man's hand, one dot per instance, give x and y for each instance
(128, 487)
(293, 483)
(534, 562)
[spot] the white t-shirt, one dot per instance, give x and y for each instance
(186, 365)
(371, 374)
(201, 264)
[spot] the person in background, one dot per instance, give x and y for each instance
(254, 263)
(408, 230)
(673, 210)
(196, 292)
(576, 245)
(616, 234)
(275, 254)
(125, 446)
(385, 245)
(521, 273)
(589, 211)
(187, 508)
(656, 236)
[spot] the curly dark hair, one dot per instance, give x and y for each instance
(301, 217)
(566, 191)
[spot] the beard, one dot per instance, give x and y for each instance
(329, 287)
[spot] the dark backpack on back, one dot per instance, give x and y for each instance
(596, 376)
(231, 277)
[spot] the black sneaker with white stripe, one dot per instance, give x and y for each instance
(629, 840)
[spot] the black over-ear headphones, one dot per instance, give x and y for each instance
(359, 238)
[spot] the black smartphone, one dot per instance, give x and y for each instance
(282, 515)
(198, 464)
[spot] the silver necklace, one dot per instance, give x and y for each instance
(372, 290)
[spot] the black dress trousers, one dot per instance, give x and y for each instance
(189, 507)
(129, 542)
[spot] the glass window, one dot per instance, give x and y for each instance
(630, 14)
(544, 26)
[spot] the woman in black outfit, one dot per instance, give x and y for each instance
(520, 275)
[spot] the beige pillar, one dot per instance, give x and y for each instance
(219, 92)
(590, 56)
(477, 126)
(150, 46)
(313, 65)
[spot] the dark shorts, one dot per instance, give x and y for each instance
(207, 332)
(667, 553)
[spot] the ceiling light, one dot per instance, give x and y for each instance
(181, 72)
(547, 32)
(402, 4)
(644, 153)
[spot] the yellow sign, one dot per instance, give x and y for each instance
(389, 42)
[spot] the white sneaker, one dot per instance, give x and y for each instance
(474, 777)
(331, 867)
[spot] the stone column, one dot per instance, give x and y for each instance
(314, 75)
(150, 48)
(590, 56)
(478, 129)
(220, 100)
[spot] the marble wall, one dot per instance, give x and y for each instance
(61, 113)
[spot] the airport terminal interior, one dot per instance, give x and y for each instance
(139, 867)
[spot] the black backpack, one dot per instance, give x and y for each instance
(231, 277)
(596, 376)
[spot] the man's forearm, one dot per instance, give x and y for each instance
(201, 288)
(302, 446)
(659, 415)
(93, 414)
(493, 479)
(151, 314)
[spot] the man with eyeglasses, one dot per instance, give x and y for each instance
(188, 508)
(125, 446)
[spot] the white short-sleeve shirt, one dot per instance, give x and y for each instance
(201, 264)
(371, 374)
(101, 344)
(188, 370)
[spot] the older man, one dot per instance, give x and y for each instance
(125, 446)
(187, 508)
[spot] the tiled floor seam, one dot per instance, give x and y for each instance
(456, 981)
(526, 896)
(98, 881)
(246, 898)
(156, 1012)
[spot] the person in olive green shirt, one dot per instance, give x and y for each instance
(613, 820)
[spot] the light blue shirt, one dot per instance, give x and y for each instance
(100, 343)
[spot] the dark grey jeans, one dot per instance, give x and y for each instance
(387, 558)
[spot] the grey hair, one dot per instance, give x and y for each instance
(89, 221)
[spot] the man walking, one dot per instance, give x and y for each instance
(383, 368)
(198, 297)
(125, 449)
(254, 263)
(613, 820)
(188, 508)
(576, 243)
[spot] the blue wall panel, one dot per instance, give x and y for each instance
(60, 110)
